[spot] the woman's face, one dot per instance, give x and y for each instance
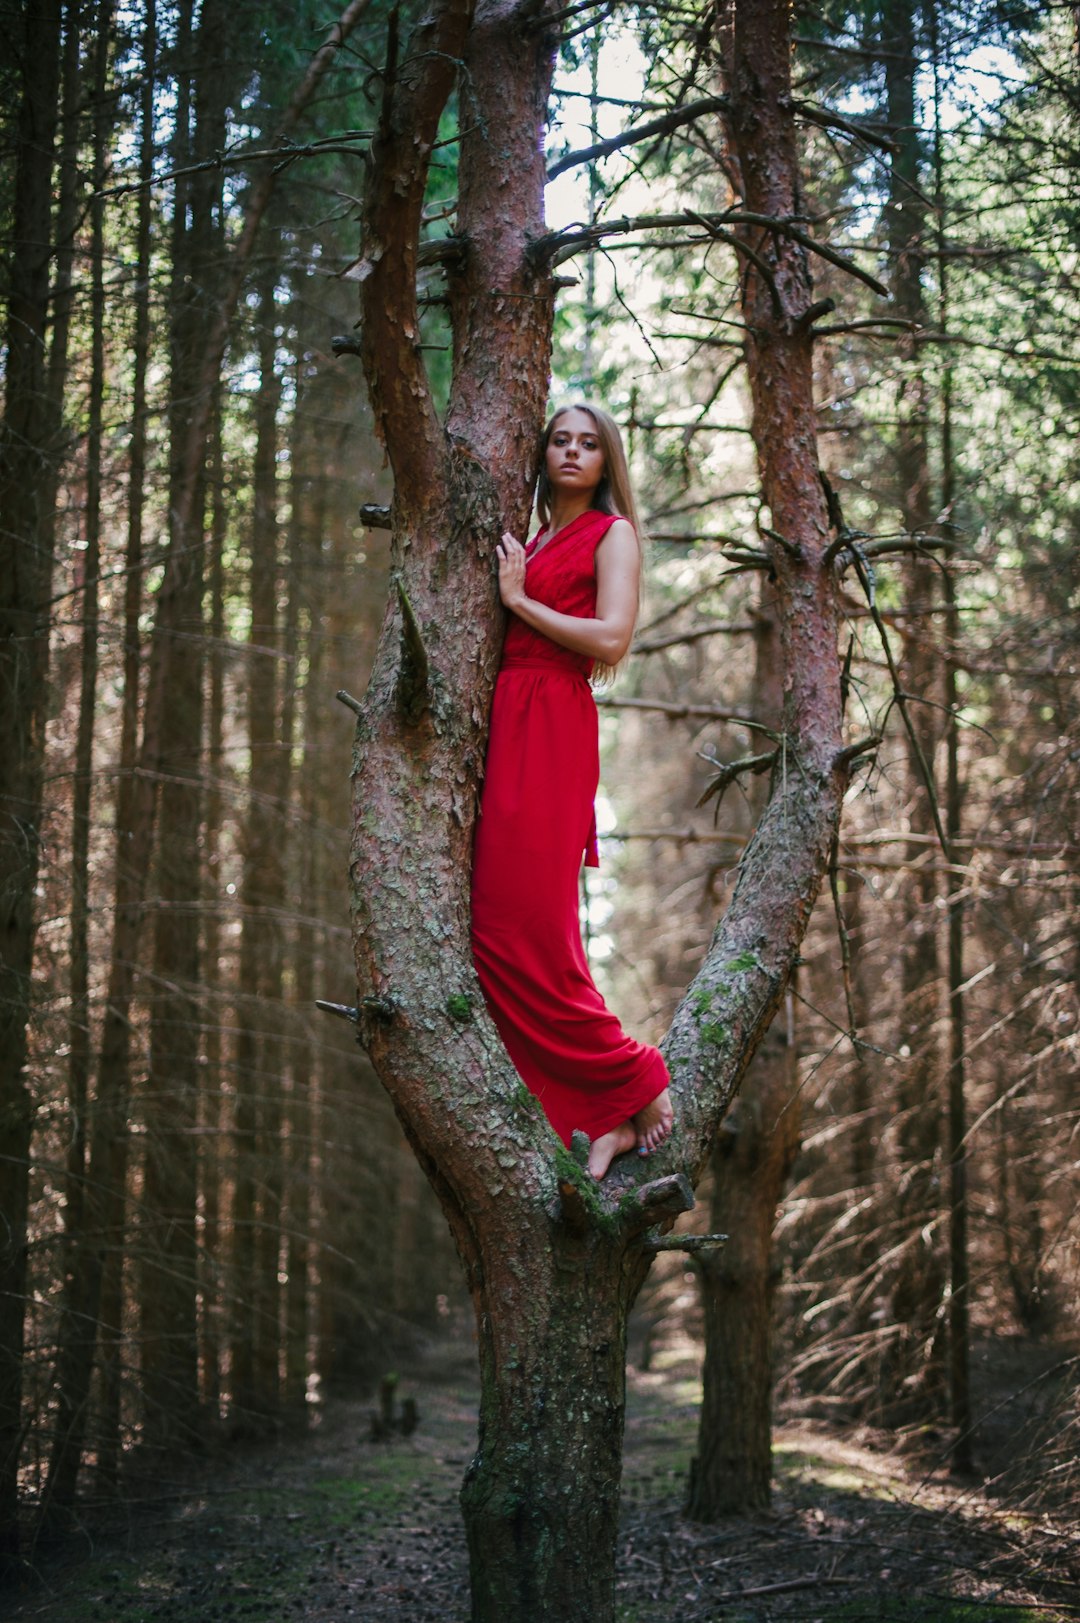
(574, 458)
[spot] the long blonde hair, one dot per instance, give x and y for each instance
(614, 494)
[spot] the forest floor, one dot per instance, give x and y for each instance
(330, 1526)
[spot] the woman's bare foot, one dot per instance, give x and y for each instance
(603, 1150)
(653, 1124)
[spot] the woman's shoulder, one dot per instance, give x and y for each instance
(617, 529)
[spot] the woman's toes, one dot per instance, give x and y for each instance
(605, 1148)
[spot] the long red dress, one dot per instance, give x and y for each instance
(536, 823)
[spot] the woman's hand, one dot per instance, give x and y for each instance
(511, 571)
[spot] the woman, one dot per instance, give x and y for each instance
(572, 593)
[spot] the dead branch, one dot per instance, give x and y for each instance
(690, 1243)
(678, 712)
(375, 516)
(639, 132)
(826, 120)
(345, 1011)
(730, 771)
(563, 245)
(285, 153)
(714, 628)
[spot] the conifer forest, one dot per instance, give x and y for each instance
(304, 1310)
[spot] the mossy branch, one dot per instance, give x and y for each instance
(690, 1243)
(664, 1198)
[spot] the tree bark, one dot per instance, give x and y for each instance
(26, 561)
(258, 1054)
(960, 1415)
(79, 1036)
(755, 1148)
(752, 1159)
(168, 1266)
(95, 1274)
(212, 1099)
(136, 818)
(553, 1261)
(302, 1069)
(915, 1361)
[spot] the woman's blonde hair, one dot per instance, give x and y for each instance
(614, 494)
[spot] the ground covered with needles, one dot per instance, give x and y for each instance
(330, 1526)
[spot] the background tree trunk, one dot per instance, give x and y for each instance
(916, 1365)
(168, 1255)
(751, 1161)
(25, 585)
(79, 1041)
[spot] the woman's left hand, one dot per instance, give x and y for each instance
(511, 570)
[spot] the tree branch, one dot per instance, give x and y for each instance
(342, 145)
(562, 245)
(639, 132)
(731, 771)
(677, 639)
(826, 120)
(678, 712)
(415, 92)
(690, 1243)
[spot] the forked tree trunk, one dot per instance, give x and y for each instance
(553, 1260)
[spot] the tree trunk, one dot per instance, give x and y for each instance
(67, 220)
(302, 1070)
(263, 891)
(541, 1497)
(917, 1291)
(212, 1099)
(136, 818)
(959, 1262)
(81, 816)
(553, 1260)
(25, 587)
(95, 1279)
(168, 1282)
(751, 1161)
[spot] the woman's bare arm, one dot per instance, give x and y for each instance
(605, 637)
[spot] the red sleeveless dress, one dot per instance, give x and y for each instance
(536, 824)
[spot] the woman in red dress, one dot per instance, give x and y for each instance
(572, 593)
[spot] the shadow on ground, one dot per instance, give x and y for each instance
(331, 1526)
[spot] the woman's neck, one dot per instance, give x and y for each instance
(565, 512)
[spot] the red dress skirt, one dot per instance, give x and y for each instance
(536, 824)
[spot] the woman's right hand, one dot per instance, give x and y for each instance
(511, 571)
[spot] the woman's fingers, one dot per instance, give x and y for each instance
(511, 569)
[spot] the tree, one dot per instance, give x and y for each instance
(27, 534)
(751, 1161)
(553, 1262)
(177, 601)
